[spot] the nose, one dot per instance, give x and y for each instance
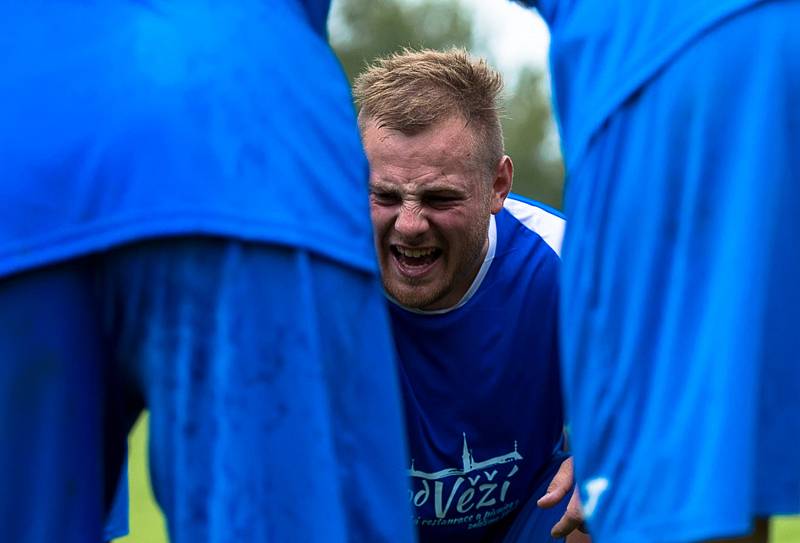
(411, 221)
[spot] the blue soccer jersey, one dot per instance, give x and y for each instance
(141, 138)
(602, 51)
(481, 384)
(680, 302)
(129, 120)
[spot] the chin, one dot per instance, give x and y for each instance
(410, 300)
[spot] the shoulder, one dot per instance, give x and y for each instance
(546, 222)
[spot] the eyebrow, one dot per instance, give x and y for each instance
(381, 185)
(426, 189)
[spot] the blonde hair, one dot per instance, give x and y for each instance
(412, 90)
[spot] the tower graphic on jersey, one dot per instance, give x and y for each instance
(468, 463)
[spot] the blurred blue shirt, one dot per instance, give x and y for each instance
(601, 52)
(125, 120)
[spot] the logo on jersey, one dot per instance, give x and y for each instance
(472, 495)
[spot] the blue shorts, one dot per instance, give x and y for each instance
(117, 518)
(681, 293)
(270, 379)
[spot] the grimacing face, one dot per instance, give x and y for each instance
(430, 205)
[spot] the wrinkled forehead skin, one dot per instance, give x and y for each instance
(450, 142)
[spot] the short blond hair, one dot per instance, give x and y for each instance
(412, 90)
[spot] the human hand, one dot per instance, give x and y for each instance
(562, 483)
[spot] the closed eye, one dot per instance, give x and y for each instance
(385, 198)
(441, 200)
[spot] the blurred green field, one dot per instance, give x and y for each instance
(146, 521)
(147, 524)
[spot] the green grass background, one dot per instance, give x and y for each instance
(147, 524)
(146, 521)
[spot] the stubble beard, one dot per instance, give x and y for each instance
(461, 278)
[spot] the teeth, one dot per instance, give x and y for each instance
(415, 253)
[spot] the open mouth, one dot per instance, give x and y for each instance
(415, 261)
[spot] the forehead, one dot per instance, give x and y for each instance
(446, 149)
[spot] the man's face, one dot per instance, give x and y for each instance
(430, 205)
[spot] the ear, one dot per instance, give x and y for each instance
(501, 186)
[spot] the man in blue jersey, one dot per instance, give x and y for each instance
(680, 125)
(162, 245)
(472, 278)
